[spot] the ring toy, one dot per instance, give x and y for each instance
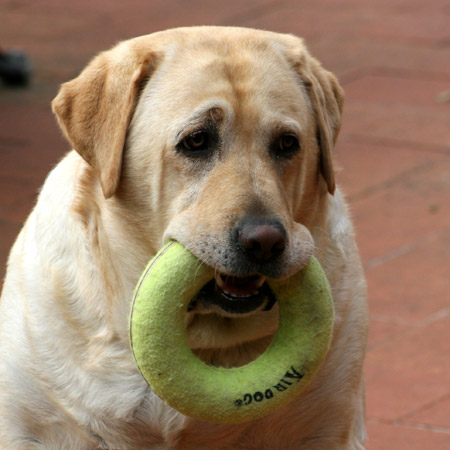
(216, 394)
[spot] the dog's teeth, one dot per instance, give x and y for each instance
(239, 296)
(230, 294)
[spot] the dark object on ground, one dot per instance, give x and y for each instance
(15, 68)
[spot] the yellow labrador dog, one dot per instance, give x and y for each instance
(222, 139)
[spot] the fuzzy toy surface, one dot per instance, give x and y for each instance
(226, 395)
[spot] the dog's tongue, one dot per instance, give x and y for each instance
(240, 286)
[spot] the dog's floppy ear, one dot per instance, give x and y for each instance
(94, 110)
(327, 98)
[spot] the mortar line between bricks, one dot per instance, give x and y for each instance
(396, 422)
(400, 251)
(23, 177)
(410, 326)
(8, 221)
(391, 142)
(404, 418)
(355, 74)
(426, 43)
(421, 427)
(438, 315)
(20, 6)
(392, 72)
(443, 43)
(391, 255)
(404, 249)
(253, 13)
(424, 427)
(6, 141)
(415, 42)
(391, 182)
(416, 75)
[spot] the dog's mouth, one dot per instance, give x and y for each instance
(235, 295)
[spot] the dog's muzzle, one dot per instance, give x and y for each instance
(256, 242)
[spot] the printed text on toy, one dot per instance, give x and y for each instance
(285, 382)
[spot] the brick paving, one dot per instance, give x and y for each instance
(393, 59)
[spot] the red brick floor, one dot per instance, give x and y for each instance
(393, 59)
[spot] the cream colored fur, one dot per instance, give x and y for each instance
(67, 376)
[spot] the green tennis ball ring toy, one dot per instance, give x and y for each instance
(216, 394)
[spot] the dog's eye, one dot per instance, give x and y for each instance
(196, 141)
(288, 142)
(286, 145)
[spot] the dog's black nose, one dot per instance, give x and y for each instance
(262, 240)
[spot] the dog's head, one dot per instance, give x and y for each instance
(220, 138)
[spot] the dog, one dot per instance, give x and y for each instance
(220, 138)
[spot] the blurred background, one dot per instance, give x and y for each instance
(393, 59)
